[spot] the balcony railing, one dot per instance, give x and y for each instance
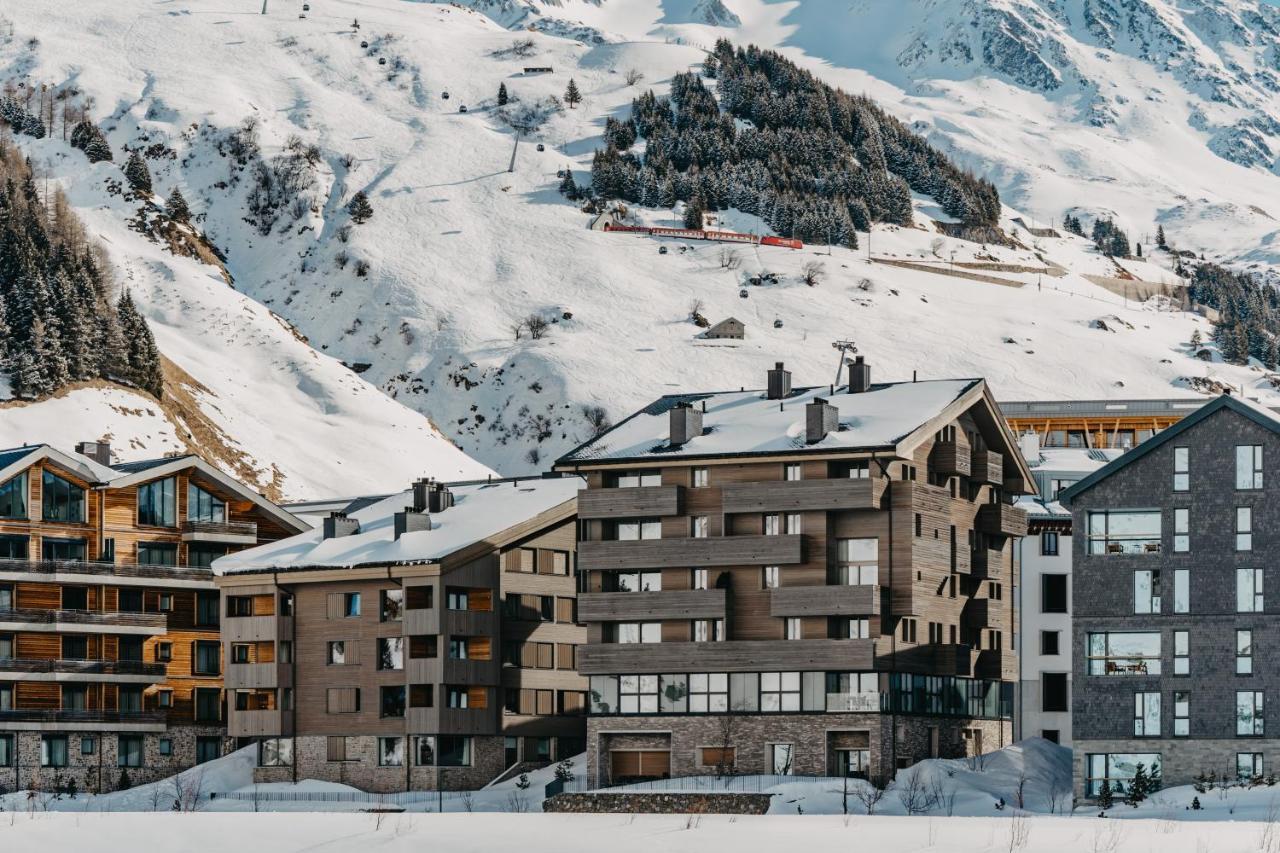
(728, 656)
(802, 495)
(951, 457)
(82, 667)
(751, 550)
(220, 531)
(668, 604)
(987, 562)
(1002, 519)
(825, 601)
(637, 502)
(91, 567)
(988, 467)
(84, 617)
(32, 715)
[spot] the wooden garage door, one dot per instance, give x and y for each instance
(641, 764)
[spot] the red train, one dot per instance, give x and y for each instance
(698, 234)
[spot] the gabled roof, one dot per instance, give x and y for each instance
(1258, 414)
(16, 460)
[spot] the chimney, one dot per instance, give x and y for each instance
(686, 424)
(439, 498)
(859, 376)
(779, 382)
(820, 418)
(337, 524)
(1029, 444)
(421, 486)
(411, 520)
(98, 451)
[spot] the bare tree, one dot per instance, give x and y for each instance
(634, 76)
(1020, 792)
(1060, 796)
(727, 726)
(1019, 831)
(730, 259)
(914, 794)
(870, 794)
(537, 326)
(813, 273)
(597, 418)
(943, 794)
(517, 329)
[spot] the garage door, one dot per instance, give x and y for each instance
(632, 764)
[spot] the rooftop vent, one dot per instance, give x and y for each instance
(337, 524)
(411, 520)
(98, 451)
(820, 418)
(430, 496)
(779, 385)
(686, 423)
(859, 376)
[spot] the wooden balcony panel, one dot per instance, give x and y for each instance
(256, 629)
(274, 723)
(90, 621)
(804, 495)
(248, 676)
(88, 720)
(638, 502)
(56, 669)
(730, 656)
(781, 550)
(825, 601)
(988, 563)
(951, 458)
(1002, 519)
(669, 604)
(487, 672)
(54, 571)
(226, 532)
(988, 467)
(470, 623)
(421, 621)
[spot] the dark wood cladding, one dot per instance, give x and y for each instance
(730, 656)
(667, 604)
(988, 467)
(987, 563)
(638, 502)
(804, 495)
(683, 552)
(825, 601)
(1001, 519)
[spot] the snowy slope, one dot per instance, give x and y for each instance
(459, 250)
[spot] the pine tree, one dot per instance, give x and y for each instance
(1105, 798)
(569, 187)
(694, 213)
(98, 150)
(1138, 249)
(142, 354)
(177, 206)
(360, 208)
(1160, 240)
(137, 174)
(1138, 787)
(502, 94)
(572, 96)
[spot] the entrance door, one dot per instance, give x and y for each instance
(853, 762)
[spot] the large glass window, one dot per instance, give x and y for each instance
(390, 652)
(1120, 653)
(275, 752)
(632, 530)
(1181, 591)
(204, 506)
(1124, 531)
(1248, 466)
(15, 547)
(13, 497)
(1244, 528)
(1249, 591)
(1117, 769)
(129, 751)
(633, 479)
(202, 554)
(61, 500)
(6, 750)
(53, 751)
(708, 692)
(1249, 717)
(858, 562)
(1181, 652)
(1181, 530)
(391, 700)
(638, 581)
(779, 691)
(1146, 714)
(1244, 652)
(1146, 591)
(1181, 469)
(62, 549)
(158, 503)
(455, 751)
(1249, 766)
(157, 554)
(638, 632)
(638, 694)
(392, 601)
(1181, 713)
(207, 658)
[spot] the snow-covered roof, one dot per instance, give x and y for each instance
(745, 422)
(480, 511)
(1077, 462)
(17, 459)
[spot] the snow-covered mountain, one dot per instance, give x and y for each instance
(270, 122)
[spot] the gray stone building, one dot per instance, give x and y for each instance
(1172, 612)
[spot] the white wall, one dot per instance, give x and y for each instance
(1033, 722)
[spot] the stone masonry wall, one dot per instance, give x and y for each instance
(361, 769)
(658, 803)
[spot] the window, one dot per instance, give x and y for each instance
(1124, 531)
(391, 653)
(1244, 652)
(87, 745)
(1181, 713)
(908, 633)
(157, 554)
(1181, 591)
(1248, 766)
(239, 605)
(275, 752)
(1053, 692)
(74, 697)
(208, 748)
(53, 751)
(391, 605)
(772, 524)
(239, 652)
(1181, 530)
(792, 628)
(859, 471)
(207, 660)
(158, 504)
(638, 632)
(716, 756)
(424, 751)
(791, 471)
(129, 601)
(1116, 769)
(342, 700)
(633, 479)
(1248, 466)
(708, 693)
(204, 506)
(75, 598)
(1249, 590)
(1049, 642)
(858, 562)
(860, 629)
(1249, 718)
(202, 554)
(1049, 543)
(769, 577)
(634, 530)
(6, 644)
(164, 699)
(698, 580)
(638, 694)
(701, 478)
(638, 581)
(1122, 653)
(792, 523)
(454, 751)
(62, 549)
(164, 652)
(1244, 528)
(350, 605)
(61, 500)
(165, 602)
(207, 609)
(13, 497)
(6, 750)
(208, 705)
(1181, 469)
(1053, 594)
(699, 526)
(708, 630)
(1146, 714)
(129, 751)
(1181, 652)
(559, 563)
(1058, 485)
(337, 652)
(779, 691)
(15, 547)
(780, 759)
(391, 700)
(1146, 591)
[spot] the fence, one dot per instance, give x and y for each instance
(403, 798)
(726, 784)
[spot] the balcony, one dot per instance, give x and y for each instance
(730, 656)
(954, 659)
(54, 571)
(470, 623)
(669, 604)
(452, 721)
(256, 629)
(989, 663)
(1001, 519)
(825, 601)
(253, 676)
(30, 719)
(273, 723)
(951, 458)
(804, 495)
(988, 467)
(979, 612)
(679, 553)
(638, 502)
(84, 670)
(92, 621)
(225, 532)
(471, 671)
(987, 563)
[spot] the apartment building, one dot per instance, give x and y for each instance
(110, 671)
(810, 581)
(1171, 609)
(422, 641)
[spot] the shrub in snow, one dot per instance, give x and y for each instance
(523, 782)
(564, 771)
(360, 208)
(177, 206)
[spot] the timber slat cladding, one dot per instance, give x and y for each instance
(825, 601)
(630, 502)
(729, 656)
(712, 551)
(799, 495)
(678, 604)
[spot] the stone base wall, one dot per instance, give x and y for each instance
(658, 803)
(1181, 759)
(100, 770)
(361, 769)
(892, 742)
